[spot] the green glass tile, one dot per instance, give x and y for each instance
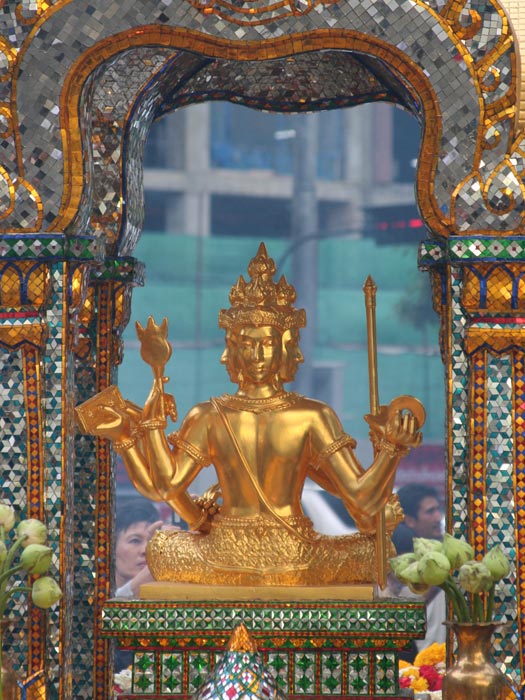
(304, 684)
(172, 662)
(144, 683)
(305, 662)
(143, 663)
(357, 684)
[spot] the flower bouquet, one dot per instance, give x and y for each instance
(469, 584)
(25, 554)
(427, 671)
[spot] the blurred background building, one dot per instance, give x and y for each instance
(332, 195)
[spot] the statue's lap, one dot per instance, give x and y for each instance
(261, 552)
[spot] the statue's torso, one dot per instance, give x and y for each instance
(277, 441)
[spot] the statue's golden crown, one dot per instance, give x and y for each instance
(262, 302)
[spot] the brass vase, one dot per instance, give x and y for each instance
(8, 678)
(474, 675)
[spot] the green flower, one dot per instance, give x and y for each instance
(475, 577)
(36, 558)
(457, 551)
(410, 574)
(400, 562)
(7, 516)
(433, 568)
(32, 532)
(422, 545)
(497, 563)
(46, 592)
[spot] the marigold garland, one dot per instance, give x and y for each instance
(426, 673)
(432, 655)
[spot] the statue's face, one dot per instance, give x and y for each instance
(258, 353)
(228, 357)
(292, 355)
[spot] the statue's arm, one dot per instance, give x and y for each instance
(118, 423)
(137, 469)
(172, 471)
(363, 491)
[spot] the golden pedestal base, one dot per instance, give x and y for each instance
(163, 590)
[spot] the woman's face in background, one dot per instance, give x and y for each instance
(131, 551)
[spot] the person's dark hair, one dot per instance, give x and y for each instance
(411, 495)
(134, 509)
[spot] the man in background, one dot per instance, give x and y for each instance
(423, 518)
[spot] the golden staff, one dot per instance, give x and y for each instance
(370, 290)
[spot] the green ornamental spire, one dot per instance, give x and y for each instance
(240, 674)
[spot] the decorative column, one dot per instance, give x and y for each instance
(480, 292)
(100, 321)
(62, 311)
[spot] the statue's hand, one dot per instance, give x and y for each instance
(170, 407)
(377, 422)
(402, 429)
(158, 404)
(399, 423)
(367, 524)
(209, 502)
(112, 424)
(155, 349)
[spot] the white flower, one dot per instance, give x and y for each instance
(475, 577)
(32, 532)
(422, 545)
(7, 516)
(401, 562)
(434, 568)
(36, 558)
(46, 592)
(123, 680)
(497, 563)
(457, 551)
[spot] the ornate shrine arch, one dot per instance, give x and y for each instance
(80, 85)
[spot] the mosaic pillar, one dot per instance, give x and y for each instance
(101, 320)
(43, 290)
(482, 302)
